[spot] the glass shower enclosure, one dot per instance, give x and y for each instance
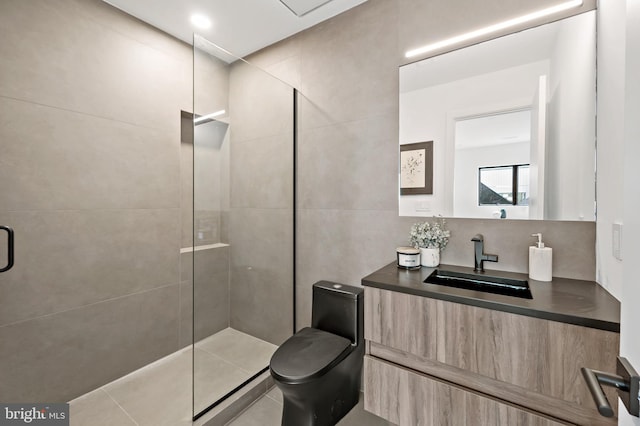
(146, 254)
(238, 233)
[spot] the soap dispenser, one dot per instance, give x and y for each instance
(540, 260)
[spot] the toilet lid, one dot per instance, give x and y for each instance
(308, 354)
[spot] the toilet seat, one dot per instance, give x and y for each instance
(308, 354)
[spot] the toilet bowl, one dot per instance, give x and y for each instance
(318, 369)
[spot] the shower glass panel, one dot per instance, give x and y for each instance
(242, 221)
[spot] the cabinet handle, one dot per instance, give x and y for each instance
(9, 248)
(626, 382)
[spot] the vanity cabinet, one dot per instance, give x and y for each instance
(423, 400)
(459, 364)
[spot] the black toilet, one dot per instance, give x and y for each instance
(318, 369)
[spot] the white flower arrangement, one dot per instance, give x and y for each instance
(430, 235)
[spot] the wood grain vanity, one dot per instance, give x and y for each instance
(438, 355)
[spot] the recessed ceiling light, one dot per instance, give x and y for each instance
(200, 21)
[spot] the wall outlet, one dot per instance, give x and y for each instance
(616, 240)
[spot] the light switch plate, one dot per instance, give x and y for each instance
(422, 206)
(616, 240)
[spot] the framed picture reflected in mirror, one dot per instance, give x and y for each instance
(416, 168)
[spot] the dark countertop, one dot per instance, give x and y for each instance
(578, 302)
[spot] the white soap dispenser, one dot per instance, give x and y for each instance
(540, 258)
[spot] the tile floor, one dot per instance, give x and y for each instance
(161, 393)
(267, 411)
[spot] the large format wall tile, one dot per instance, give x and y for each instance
(186, 267)
(186, 181)
(262, 172)
(54, 56)
(62, 356)
(573, 244)
(346, 245)
(104, 15)
(56, 159)
(260, 219)
(185, 328)
(66, 259)
(262, 302)
(211, 84)
(260, 104)
(211, 296)
(211, 291)
(304, 300)
(342, 246)
(348, 66)
(261, 273)
(349, 165)
(282, 60)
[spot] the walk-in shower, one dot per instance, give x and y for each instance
(151, 234)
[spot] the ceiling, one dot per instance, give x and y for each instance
(495, 129)
(239, 26)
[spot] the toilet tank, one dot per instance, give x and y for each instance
(339, 309)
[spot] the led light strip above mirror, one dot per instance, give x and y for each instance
(511, 23)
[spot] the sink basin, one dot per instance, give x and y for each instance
(481, 282)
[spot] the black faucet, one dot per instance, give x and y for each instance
(479, 256)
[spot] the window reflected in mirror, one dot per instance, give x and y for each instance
(493, 153)
(506, 185)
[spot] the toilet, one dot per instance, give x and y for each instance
(318, 369)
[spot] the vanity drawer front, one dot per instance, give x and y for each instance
(405, 397)
(401, 321)
(536, 355)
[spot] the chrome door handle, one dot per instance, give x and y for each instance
(627, 382)
(9, 248)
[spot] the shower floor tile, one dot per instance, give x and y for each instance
(97, 408)
(214, 378)
(161, 393)
(240, 349)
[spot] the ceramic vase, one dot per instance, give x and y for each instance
(429, 257)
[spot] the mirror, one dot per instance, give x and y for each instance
(511, 125)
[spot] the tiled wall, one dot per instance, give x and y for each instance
(90, 102)
(204, 290)
(347, 71)
(206, 307)
(246, 188)
(260, 215)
